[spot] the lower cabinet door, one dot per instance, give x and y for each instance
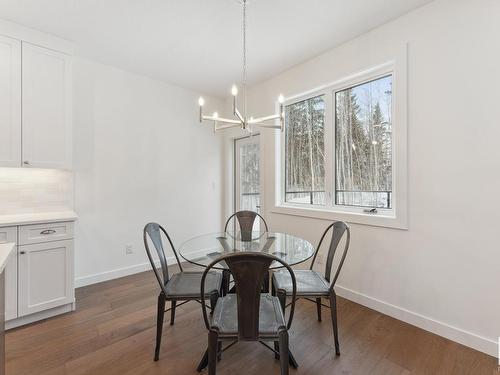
(45, 276)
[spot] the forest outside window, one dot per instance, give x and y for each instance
(338, 151)
(363, 145)
(305, 151)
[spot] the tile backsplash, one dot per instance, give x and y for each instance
(31, 190)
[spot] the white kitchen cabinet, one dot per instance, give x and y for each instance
(39, 278)
(9, 234)
(45, 276)
(10, 102)
(46, 108)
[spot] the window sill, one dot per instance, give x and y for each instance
(377, 220)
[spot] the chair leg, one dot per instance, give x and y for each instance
(283, 344)
(219, 351)
(213, 301)
(276, 349)
(226, 276)
(282, 299)
(318, 307)
(333, 309)
(265, 285)
(159, 323)
(172, 312)
(213, 339)
(204, 362)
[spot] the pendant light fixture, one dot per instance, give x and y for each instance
(241, 120)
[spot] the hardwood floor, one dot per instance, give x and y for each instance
(113, 332)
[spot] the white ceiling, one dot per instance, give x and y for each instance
(197, 43)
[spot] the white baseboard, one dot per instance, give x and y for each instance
(124, 271)
(472, 340)
(111, 274)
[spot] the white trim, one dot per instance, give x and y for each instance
(397, 216)
(472, 340)
(112, 274)
(317, 212)
(125, 271)
(16, 31)
(41, 315)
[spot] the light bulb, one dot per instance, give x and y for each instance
(234, 90)
(281, 99)
(201, 101)
(215, 115)
(374, 143)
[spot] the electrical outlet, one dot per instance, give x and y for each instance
(129, 249)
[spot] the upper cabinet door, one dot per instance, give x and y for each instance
(46, 108)
(10, 102)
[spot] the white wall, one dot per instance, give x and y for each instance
(140, 155)
(443, 273)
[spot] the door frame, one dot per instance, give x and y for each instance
(235, 196)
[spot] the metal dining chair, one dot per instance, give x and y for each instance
(182, 286)
(248, 315)
(246, 220)
(311, 284)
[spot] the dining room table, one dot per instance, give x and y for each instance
(204, 249)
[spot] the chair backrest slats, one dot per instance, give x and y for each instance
(153, 231)
(248, 271)
(246, 220)
(248, 274)
(338, 229)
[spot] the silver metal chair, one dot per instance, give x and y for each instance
(311, 284)
(183, 286)
(248, 315)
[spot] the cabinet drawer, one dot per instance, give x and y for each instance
(8, 234)
(29, 234)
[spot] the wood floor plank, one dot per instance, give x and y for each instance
(113, 332)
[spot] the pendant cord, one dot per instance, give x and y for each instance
(245, 59)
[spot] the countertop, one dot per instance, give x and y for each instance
(37, 218)
(6, 249)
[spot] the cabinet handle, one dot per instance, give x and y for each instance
(48, 231)
(22, 252)
(26, 162)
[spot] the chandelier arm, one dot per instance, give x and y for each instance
(228, 126)
(269, 126)
(265, 118)
(221, 119)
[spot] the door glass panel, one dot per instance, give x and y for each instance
(247, 184)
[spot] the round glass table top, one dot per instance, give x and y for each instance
(204, 249)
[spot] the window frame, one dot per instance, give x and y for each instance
(396, 216)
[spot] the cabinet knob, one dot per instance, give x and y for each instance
(22, 252)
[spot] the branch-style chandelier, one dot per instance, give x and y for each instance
(241, 120)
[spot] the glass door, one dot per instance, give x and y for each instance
(247, 175)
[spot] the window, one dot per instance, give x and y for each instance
(305, 151)
(363, 144)
(339, 149)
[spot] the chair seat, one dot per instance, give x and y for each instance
(309, 283)
(271, 319)
(188, 284)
